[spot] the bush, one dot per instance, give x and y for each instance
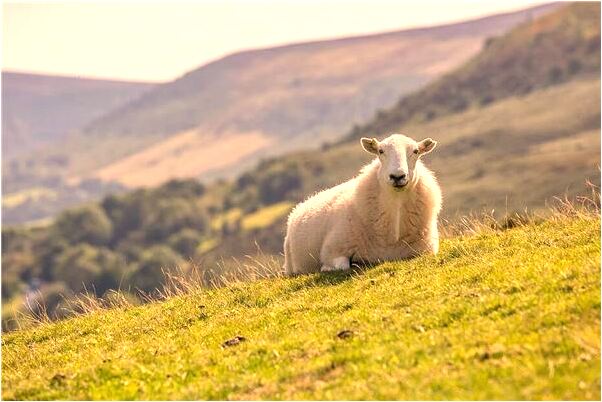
(171, 216)
(184, 188)
(185, 241)
(278, 182)
(127, 213)
(84, 225)
(12, 285)
(113, 271)
(148, 275)
(51, 299)
(85, 267)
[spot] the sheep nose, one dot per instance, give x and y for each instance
(397, 177)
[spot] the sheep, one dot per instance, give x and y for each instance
(387, 212)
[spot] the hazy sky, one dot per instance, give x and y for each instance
(159, 41)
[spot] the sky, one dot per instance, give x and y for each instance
(160, 41)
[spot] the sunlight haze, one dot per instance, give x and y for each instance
(156, 41)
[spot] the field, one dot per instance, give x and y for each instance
(266, 216)
(498, 314)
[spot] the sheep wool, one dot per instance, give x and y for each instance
(387, 212)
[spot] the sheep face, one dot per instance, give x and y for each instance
(398, 155)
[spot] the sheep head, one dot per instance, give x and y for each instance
(398, 156)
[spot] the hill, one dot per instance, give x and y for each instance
(274, 100)
(38, 110)
(39, 114)
(509, 314)
(512, 154)
(532, 141)
(553, 49)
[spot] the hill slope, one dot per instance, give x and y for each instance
(555, 48)
(278, 98)
(38, 110)
(512, 154)
(532, 141)
(500, 315)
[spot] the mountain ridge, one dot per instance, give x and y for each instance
(496, 23)
(42, 108)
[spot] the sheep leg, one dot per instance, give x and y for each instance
(336, 264)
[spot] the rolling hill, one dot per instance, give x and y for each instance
(548, 51)
(509, 314)
(272, 100)
(276, 98)
(38, 110)
(39, 114)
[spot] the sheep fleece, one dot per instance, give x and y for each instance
(362, 221)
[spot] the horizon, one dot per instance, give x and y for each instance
(87, 55)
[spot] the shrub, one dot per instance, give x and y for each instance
(78, 267)
(89, 224)
(148, 275)
(172, 215)
(185, 241)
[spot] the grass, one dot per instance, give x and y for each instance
(229, 217)
(31, 194)
(509, 314)
(266, 216)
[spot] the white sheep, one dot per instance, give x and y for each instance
(387, 212)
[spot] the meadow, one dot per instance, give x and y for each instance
(508, 311)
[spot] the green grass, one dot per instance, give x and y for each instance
(31, 194)
(229, 217)
(498, 315)
(266, 216)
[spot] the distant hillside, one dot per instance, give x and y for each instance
(276, 99)
(39, 114)
(555, 48)
(38, 110)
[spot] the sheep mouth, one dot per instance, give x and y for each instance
(399, 186)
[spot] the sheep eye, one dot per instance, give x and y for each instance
(380, 151)
(415, 151)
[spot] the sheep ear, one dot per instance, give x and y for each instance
(427, 145)
(370, 145)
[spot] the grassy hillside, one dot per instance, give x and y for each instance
(553, 49)
(547, 142)
(509, 314)
(507, 155)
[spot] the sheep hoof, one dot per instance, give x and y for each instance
(338, 264)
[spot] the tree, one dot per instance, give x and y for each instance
(185, 241)
(148, 275)
(172, 215)
(183, 188)
(78, 267)
(89, 224)
(277, 183)
(113, 270)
